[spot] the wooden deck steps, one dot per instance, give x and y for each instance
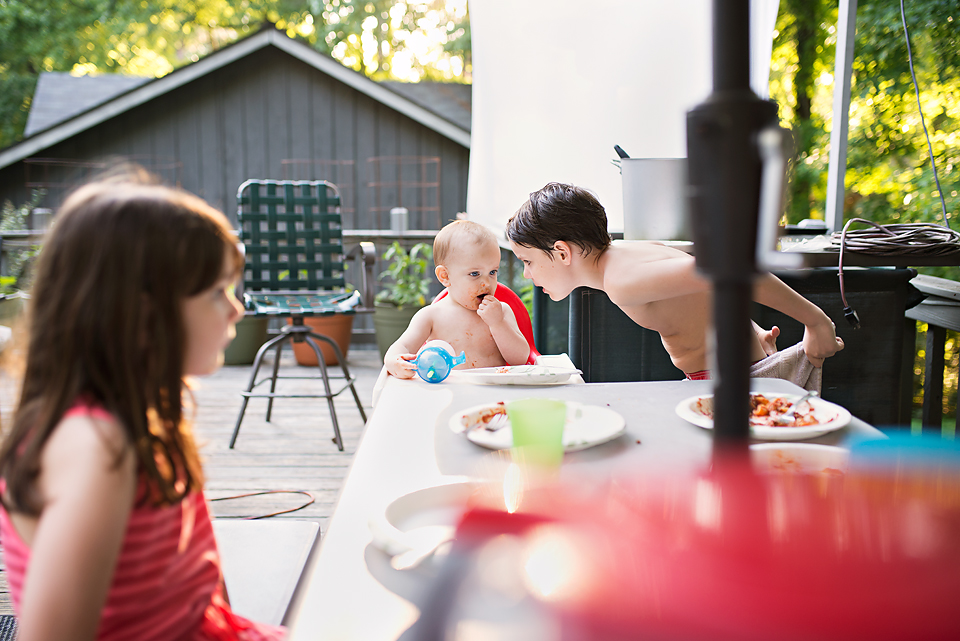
(292, 452)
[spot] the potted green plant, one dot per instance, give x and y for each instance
(404, 294)
(20, 256)
(251, 334)
(11, 301)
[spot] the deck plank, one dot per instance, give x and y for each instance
(292, 452)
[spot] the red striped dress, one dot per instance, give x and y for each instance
(166, 584)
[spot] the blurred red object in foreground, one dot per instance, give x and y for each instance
(729, 554)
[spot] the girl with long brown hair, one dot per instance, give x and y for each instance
(105, 529)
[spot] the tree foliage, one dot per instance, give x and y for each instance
(803, 37)
(889, 174)
(381, 38)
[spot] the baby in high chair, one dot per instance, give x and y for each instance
(469, 318)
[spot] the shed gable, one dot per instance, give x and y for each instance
(244, 119)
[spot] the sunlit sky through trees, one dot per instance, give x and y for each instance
(407, 41)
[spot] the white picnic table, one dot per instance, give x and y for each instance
(350, 591)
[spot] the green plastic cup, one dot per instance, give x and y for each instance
(537, 425)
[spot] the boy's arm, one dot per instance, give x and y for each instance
(820, 339)
(506, 333)
(397, 359)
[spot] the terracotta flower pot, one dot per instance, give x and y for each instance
(338, 327)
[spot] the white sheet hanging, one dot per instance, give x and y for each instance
(557, 83)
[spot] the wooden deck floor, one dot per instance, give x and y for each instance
(292, 452)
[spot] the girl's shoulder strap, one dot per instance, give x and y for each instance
(87, 407)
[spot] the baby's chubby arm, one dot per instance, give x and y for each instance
(503, 327)
(820, 339)
(398, 357)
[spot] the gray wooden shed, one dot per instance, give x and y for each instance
(267, 106)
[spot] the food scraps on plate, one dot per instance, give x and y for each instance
(483, 417)
(767, 412)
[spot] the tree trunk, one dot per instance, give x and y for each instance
(807, 16)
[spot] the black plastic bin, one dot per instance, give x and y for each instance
(551, 321)
(867, 377)
(608, 346)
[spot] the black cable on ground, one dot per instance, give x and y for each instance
(265, 516)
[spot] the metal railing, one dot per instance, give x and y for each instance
(940, 311)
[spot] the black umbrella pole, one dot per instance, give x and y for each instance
(731, 45)
(724, 168)
(731, 402)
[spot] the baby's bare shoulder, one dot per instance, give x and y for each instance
(442, 309)
(427, 312)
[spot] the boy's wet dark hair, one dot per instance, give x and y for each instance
(561, 212)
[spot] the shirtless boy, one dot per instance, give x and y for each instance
(467, 256)
(560, 235)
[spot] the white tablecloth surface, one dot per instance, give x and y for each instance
(351, 590)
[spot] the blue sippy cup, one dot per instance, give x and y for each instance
(435, 360)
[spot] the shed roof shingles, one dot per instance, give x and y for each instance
(449, 100)
(60, 96)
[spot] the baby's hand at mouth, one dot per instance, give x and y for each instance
(490, 310)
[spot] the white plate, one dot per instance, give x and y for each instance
(799, 458)
(517, 375)
(830, 417)
(409, 519)
(586, 426)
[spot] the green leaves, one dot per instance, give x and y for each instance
(154, 37)
(366, 35)
(19, 259)
(889, 175)
(408, 271)
(138, 37)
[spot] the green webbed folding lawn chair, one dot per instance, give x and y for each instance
(294, 267)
